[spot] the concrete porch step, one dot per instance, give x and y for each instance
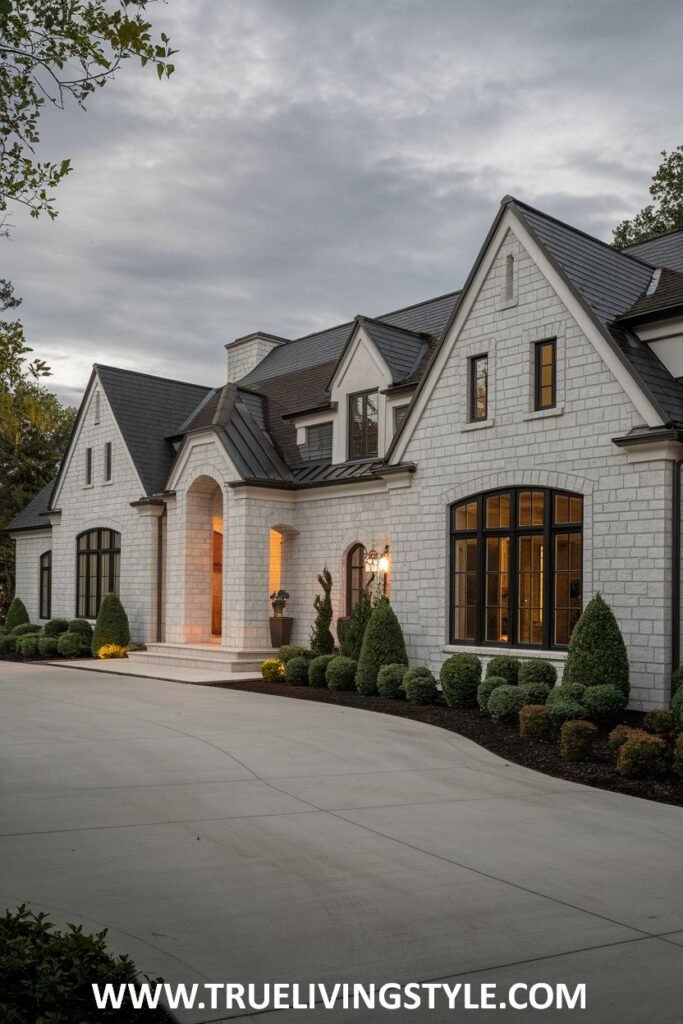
(210, 657)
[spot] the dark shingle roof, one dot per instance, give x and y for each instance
(665, 251)
(149, 410)
(661, 387)
(667, 295)
(31, 517)
(402, 350)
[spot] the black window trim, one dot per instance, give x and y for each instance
(107, 461)
(88, 467)
(538, 347)
(98, 550)
(349, 406)
(472, 371)
(45, 592)
(548, 530)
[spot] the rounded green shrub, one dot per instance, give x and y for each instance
(53, 627)
(660, 722)
(505, 703)
(420, 686)
(576, 740)
(317, 669)
(619, 735)
(296, 671)
(383, 644)
(111, 626)
(535, 722)
(84, 630)
(47, 646)
(642, 756)
(27, 645)
(8, 645)
(16, 614)
(486, 688)
(390, 681)
(537, 671)
(505, 665)
(677, 708)
(460, 676)
(535, 692)
(25, 628)
(676, 679)
(568, 691)
(289, 651)
(565, 711)
(341, 673)
(604, 704)
(69, 645)
(597, 652)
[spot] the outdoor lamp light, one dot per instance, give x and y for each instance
(384, 560)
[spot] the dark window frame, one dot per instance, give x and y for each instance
(398, 410)
(354, 586)
(472, 370)
(88, 467)
(46, 585)
(365, 454)
(107, 462)
(539, 346)
(549, 529)
(96, 549)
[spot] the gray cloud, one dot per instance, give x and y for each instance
(311, 160)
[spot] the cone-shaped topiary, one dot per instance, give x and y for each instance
(111, 626)
(16, 615)
(383, 644)
(597, 652)
(353, 630)
(322, 641)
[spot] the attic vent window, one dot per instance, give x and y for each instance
(510, 278)
(97, 407)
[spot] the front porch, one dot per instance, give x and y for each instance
(210, 657)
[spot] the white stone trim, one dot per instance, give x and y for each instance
(185, 452)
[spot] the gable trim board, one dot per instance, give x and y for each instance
(508, 219)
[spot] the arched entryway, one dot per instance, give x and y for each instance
(204, 562)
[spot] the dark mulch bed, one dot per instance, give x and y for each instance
(503, 740)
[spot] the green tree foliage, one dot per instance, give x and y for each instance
(353, 631)
(55, 52)
(322, 641)
(111, 626)
(597, 652)
(662, 215)
(383, 644)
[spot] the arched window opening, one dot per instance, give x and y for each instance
(98, 569)
(516, 568)
(356, 577)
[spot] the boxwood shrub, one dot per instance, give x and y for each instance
(383, 644)
(47, 646)
(460, 676)
(565, 711)
(25, 628)
(390, 681)
(537, 671)
(504, 665)
(568, 691)
(27, 645)
(677, 709)
(341, 673)
(535, 692)
(604, 704)
(111, 626)
(420, 686)
(619, 735)
(272, 670)
(289, 651)
(535, 722)
(505, 703)
(317, 668)
(678, 754)
(16, 614)
(660, 721)
(296, 671)
(69, 645)
(486, 688)
(642, 756)
(576, 740)
(53, 627)
(8, 645)
(597, 652)
(676, 679)
(84, 630)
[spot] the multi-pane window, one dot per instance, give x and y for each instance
(479, 388)
(356, 579)
(107, 461)
(88, 466)
(318, 444)
(97, 569)
(363, 425)
(400, 413)
(545, 374)
(516, 558)
(46, 585)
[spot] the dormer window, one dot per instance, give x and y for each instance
(363, 425)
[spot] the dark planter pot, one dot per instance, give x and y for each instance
(280, 630)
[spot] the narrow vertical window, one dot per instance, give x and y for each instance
(107, 461)
(479, 388)
(46, 585)
(88, 466)
(97, 407)
(545, 374)
(509, 278)
(363, 425)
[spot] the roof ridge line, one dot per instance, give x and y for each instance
(392, 327)
(646, 241)
(152, 376)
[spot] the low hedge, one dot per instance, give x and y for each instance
(53, 627)
(390, 681)
(341, 673)
(27, 645)
(47, 646)
(504, 665)
(420, 686)
(568, 691)
(486, 688)
(25, 628)
(535, 692)
(273, 670)
(576, 740)
(289, 651)
(70, 645)
(677, 709)
(317, 668)
(460, 676)
(535, 722)
(505, 703)
(660, 721)
(604, 704)
(537, 671)
(84, 629)
(8, 645)
(296, 671)
(565, 711)
(642, 756)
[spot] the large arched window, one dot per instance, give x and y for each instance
(98, 559)
(356, 579)
(516, 563)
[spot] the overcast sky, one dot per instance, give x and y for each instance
(314, 159)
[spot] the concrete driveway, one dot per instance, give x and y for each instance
(225, 836)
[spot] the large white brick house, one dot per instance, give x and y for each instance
(509, 449)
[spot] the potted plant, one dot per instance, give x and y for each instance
(280, 624)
